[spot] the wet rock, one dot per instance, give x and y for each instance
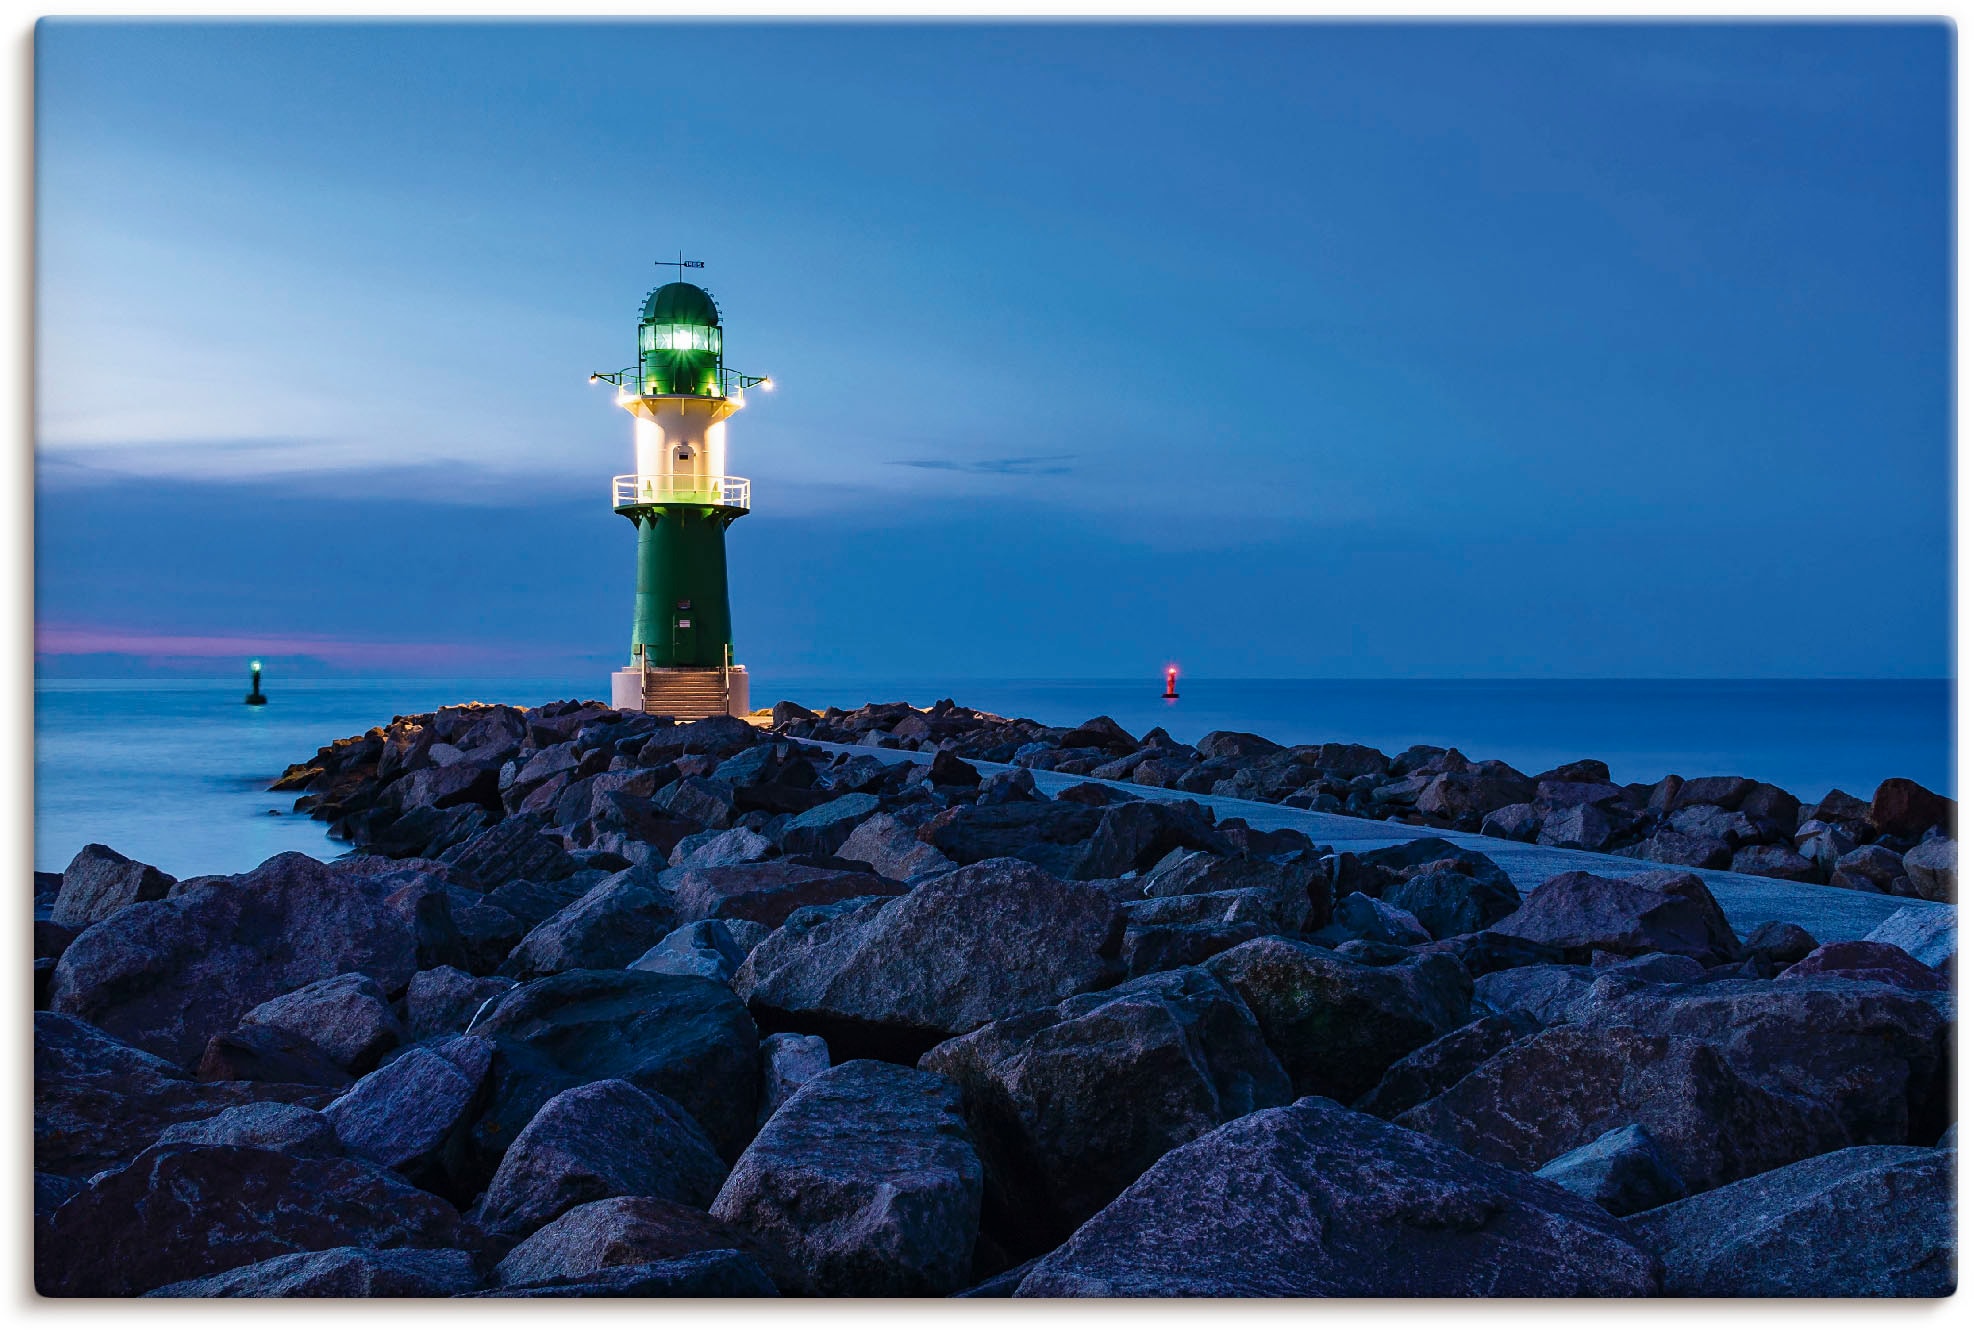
(607, 928)
(1873, 1221)
(768, 893)
(1932, 866)
(404, 1114)
(867, 1176)
(267, 1053)
(985, 942)
(1623, 1171)
(1874, 962)
(675, 1035)
(1564, 1087)
(184, 1211)
(1870, 1052)
(1926, 935)
(1448, 901)
(1778, 861)
(98, 882)
(1336, 1025)
(343, 1272)
(1440, 1065)
(444, 1000)
(167, 975)
(289, 1128)
(1070, 1104)
(607, 1138)
(1906, 809)
(1659, 911)
(346, 1016)
(1315, 1200)
(1780, 943)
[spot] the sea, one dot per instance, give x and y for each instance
(174, 772)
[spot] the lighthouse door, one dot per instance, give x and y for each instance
(684, 637)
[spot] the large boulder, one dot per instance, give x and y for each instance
(1449, 901)
(705, 948)
(1867, 1222)
(99, 1101)
(268, 1053)
(1070, 1104)
(767, 893)
(611, 925)
(177, 1212)
(347, 1017)
(989, 941)
(407, 1112)
(1567, 1086)
(167, 975)
(1906, 809)
(1313, 1200)
(98, 882)
(1055, 830)
(443, 1000)
(1463, 798)
(342, 1272)
(676, 1035)
(1661, 911)
(1874, 1054)
(620, 1235)
(1426, 1071)
(1337, 1025)
(867, 1176)
(1925, 934)
(1933, 867)
(824, 828)
(1876, 962)
(1872, 868)
(893, 850)
(289, 1128)
(606, 1138)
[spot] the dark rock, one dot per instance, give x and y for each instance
(969, 833)
(1522, 822)
(1151, 948)
(1374, 920)
(443, 1001)
(1873, 1221)
(1070, 1104)
(892, 849)
(1623, 1170)
(1105, 733)
(767, 893)
(346, 1017)
(1780, 943)
(1463, 798)
(716, 1273)
(1447, 901)
(1658, 911)
(704, 948)
(267, 1053)
(1314, 1200)
(1720, 791)
(675, 1035)
(168, 975)
(784, 712)
(1440, 1065)
(1550, 994)
(1336, 1025)
(621, 1232)
(824, 828)
(51, 939)
(976, 945)
(788, 1062)
(1564, 1087)
(98, 882)
(1906, 809)
(183, 1211)
(1872, 868)
(343, 1272)
(532, 902)
(1838, 808)
(1773, 811)
(1652, 968)
(1871, 1052)
(1874, 962)
(1583, 771)
(607, 928)
(697, 799)
(403, 1115)
(1669, 845)
(607, 1138)
(1777, 861)
(518, 846)
(1587, 826)
(1486, 952)
(867, 1176)
(948, 770)
(289, 1128)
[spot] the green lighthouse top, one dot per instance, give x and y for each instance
(681, 302)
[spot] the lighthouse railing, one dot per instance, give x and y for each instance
(714, 491)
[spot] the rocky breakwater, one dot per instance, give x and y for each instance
(602, 1005)
(1900, 842)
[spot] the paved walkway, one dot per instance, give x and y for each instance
(1830, 914)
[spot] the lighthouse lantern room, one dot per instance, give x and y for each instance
(681, 499)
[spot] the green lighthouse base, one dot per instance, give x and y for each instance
(683, 694)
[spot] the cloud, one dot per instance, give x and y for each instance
(997, 466)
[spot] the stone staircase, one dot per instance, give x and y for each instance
(685, 694)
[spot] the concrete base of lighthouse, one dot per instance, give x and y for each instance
(683, 694)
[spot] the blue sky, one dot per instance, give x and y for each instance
(1286, 350)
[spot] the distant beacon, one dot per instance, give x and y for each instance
(681, 500)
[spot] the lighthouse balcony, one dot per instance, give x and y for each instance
(712, 491)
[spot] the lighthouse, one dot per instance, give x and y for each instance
(681, 499)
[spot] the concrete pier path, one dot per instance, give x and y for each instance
(1831, 914)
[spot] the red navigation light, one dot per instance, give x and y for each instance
(1171, 681)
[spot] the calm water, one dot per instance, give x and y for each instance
(174, 773)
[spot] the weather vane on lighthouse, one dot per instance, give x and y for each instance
(681, 500)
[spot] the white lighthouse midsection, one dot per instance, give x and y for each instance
(681, 442)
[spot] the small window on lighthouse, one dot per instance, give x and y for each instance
(685, 454)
